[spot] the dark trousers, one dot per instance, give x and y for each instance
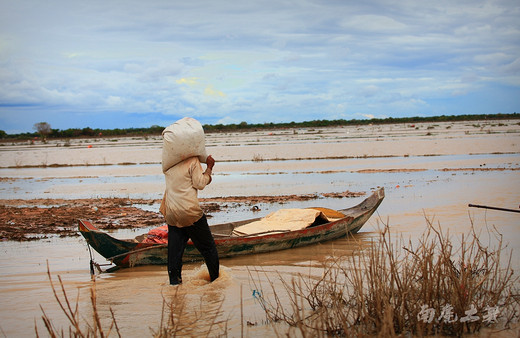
(201, 236)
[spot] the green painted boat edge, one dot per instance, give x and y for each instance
(126, 253)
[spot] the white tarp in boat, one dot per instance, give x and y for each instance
(281, 221)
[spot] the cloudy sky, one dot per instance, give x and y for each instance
(136, 63)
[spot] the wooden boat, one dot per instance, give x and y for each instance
(127, 253)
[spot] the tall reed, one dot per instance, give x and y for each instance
(396, 287)
(78, 327)
(180, 319)
(179, 316)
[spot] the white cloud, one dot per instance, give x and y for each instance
(227, 120)
(114, 101)
(373, 23)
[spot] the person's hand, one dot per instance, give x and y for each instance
(210, 162)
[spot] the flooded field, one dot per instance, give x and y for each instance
(429, 172)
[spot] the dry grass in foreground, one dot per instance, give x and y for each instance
(392, 288)
(395, 288)
(78, 326)
(178, 317)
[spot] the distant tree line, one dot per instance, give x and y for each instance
(355, 122)
(83, 132)
(44, 130)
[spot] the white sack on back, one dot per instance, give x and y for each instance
(182, 140)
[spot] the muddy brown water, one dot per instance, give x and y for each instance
(136, 295)
(437, 188)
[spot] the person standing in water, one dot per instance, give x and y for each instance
(185, 218)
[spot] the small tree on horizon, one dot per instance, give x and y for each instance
(44, 129)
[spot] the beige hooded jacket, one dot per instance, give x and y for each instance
(180, 205)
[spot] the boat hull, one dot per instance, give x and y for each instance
(124, 253)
